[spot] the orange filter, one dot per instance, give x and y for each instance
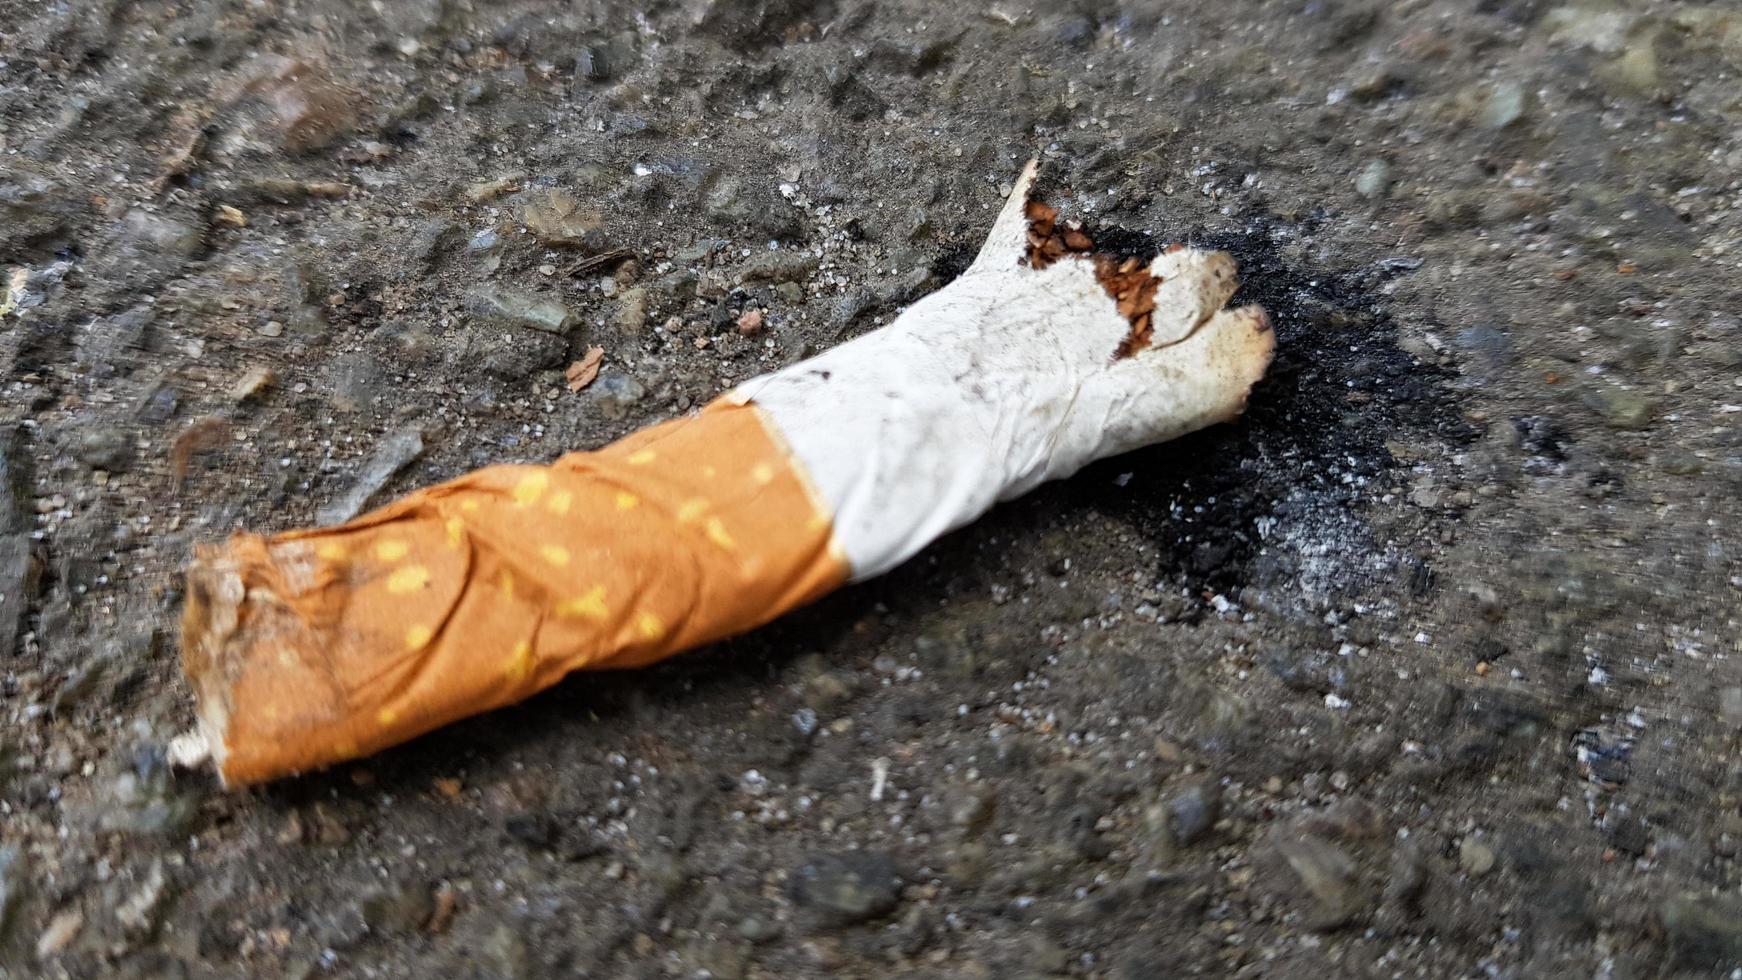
(316, 646)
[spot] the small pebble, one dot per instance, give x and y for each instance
(1475, 856)
(1730, 705)
(1505, 106)
(1374, 181)
(60, 933)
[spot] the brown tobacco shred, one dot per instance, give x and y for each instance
(1127, 281)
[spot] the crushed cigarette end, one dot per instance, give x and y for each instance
(1131, 282)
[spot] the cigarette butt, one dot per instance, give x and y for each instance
(316, 646)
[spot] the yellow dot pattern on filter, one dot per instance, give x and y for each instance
(519, 666)
(480, 591)
(588, 606)
(407, 580)
(530, 488)
(718, 534)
